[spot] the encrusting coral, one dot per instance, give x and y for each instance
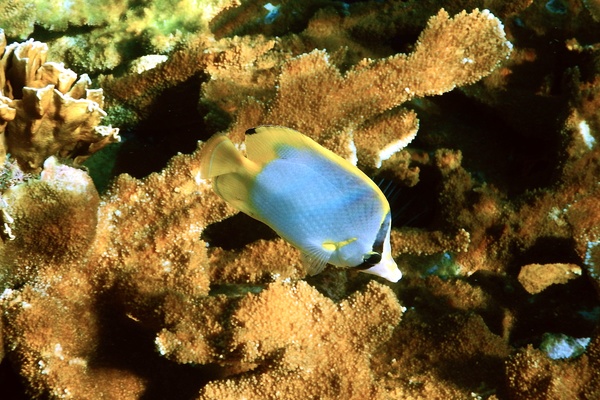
(298, 330)
(45, 110)
(134, 293)
(118, 27)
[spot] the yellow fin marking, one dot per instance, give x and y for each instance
(333, 246)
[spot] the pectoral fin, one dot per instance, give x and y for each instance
(314, 260)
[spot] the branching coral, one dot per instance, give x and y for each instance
(449, 53)
(295, 330)
(146, 251)
(285, 336)
(468, 47)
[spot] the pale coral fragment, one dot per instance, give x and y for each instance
(537, 277)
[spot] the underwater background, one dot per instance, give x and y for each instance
(123, 276)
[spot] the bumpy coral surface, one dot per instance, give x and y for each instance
(120, 27)
(481, 126)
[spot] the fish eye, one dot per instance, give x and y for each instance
(371, 258)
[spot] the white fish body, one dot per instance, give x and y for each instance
(311, 197)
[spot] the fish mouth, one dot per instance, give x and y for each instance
(387, 269)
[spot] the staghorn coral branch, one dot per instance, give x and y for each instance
(254, 81)
(449, 53)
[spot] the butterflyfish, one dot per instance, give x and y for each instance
(313, 198)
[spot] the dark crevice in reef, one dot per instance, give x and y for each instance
(565, 308)
(127, 345)
(505, 153)
(561, 308)
(414, 206)
(546, 250)
(11, 387)
(570, 309)
(43, 34)
(236, 232)
(173, 126)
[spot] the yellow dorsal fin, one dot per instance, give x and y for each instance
(262, 141)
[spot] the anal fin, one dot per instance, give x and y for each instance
(234, 189)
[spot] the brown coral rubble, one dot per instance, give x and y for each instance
(480, 125)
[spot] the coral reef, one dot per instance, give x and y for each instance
(484, 135)
(120, 27)
(273, 325)
(44, 111)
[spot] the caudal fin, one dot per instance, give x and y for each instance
(232, 174)
(219, 157)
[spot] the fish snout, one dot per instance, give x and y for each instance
(386, 268)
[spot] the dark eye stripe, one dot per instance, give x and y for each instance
(373, 258)
(379, 240)
(381, 235)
